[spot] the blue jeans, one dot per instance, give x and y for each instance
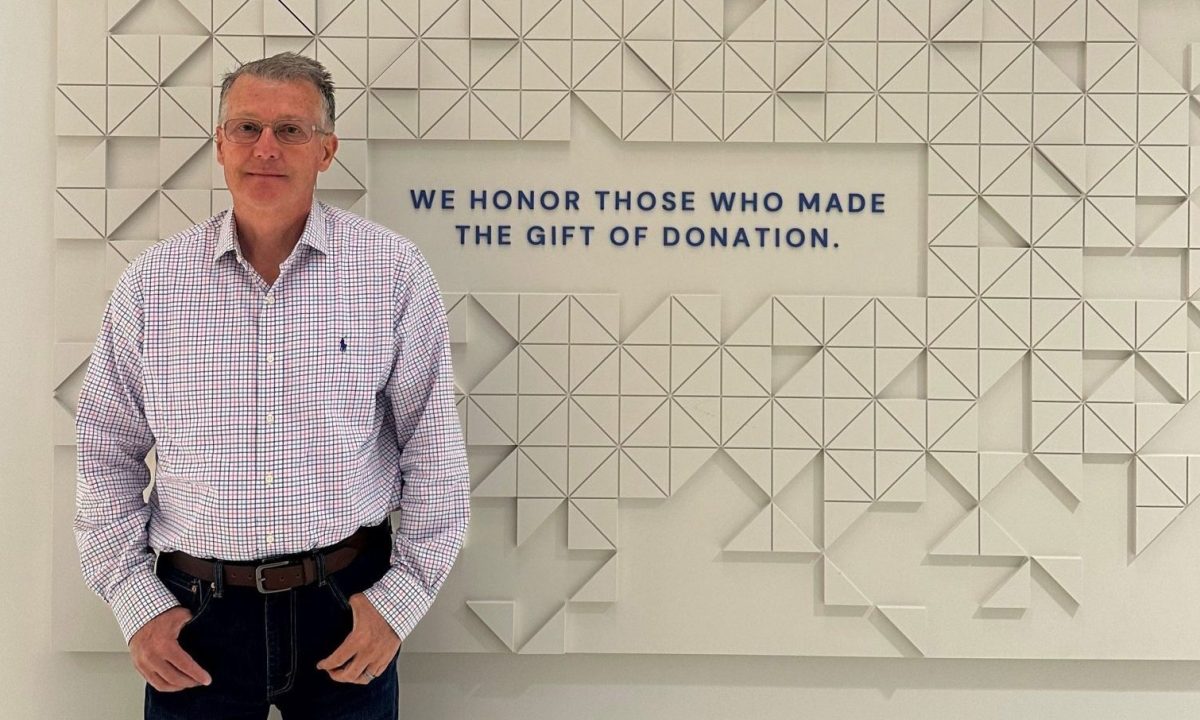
(262, 650)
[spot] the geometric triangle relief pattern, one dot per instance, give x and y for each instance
(1052, 139)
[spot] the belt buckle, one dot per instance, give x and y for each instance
(258, 576)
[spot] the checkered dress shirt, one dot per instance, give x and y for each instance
(284, 417)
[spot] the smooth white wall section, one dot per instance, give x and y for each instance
(598, 688)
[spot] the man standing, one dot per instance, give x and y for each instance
(290, 362)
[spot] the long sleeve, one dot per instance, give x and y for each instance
(113, 439)
(435, 486)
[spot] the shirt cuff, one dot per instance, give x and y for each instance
(400, 600)
(139, 600)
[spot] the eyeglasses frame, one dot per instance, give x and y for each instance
(262, 126)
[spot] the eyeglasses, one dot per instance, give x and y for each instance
(244, 131)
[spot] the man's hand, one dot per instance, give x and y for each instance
(369, 647)
(158, 656)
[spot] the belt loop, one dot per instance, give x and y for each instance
(320, 558)
(218, 578)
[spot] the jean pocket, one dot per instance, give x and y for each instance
(335, 590)
(191, 592)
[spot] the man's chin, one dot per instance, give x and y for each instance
(259, 198)
(262, 189)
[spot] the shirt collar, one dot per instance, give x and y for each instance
(314, 233)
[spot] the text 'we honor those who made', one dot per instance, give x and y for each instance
(753, 206)
(682, 201)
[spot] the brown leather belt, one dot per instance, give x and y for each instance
(286, 573)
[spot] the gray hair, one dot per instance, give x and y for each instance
(286, 67)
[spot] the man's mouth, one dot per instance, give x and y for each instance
(267, 174)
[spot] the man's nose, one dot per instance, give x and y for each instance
(266, 146)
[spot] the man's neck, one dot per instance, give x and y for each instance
(269, 239)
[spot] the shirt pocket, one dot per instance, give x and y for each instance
(361, 367)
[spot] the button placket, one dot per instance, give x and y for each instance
(269, 389)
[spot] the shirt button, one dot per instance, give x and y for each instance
(270, 539)
(270, 418)
(270, 299)
(270, 478)
(270, 358)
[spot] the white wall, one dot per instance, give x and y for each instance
(42, 683)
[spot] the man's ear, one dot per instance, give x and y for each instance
(220, 147)
(329, 146)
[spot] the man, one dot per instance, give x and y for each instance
(290, 362)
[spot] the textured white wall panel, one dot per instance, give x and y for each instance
(966, 432)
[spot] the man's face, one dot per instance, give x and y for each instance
(268, 174)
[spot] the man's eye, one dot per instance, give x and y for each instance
(291, 130)
(246, 127)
